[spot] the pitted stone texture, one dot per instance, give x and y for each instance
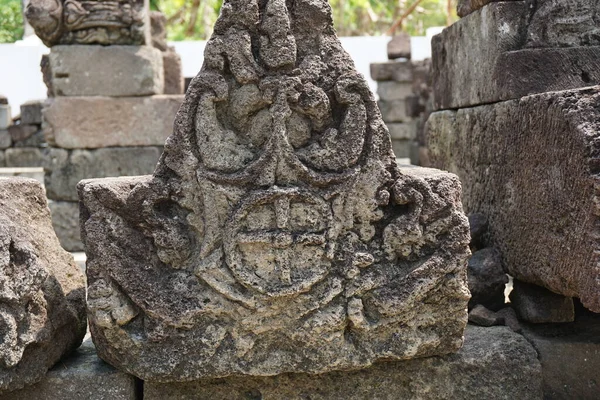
(117, 71)
(491, 365)
(42, 292)
(96, 122)
(564, 23)
(542, 199)
(90, 22)
(65, 220)
(277, 233)
(489, 56)
(539, 305)
(65, 168)
(81, 376)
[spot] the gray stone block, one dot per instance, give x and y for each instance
(5, 116)
(5, 139)
(490, 55)
(388, 91)
(31, 112)
(393, 111)
(402, 130)
(118, 71)
(65, 221)
(402, 148)
(494, 363)
(570, 357)
(22, 132)
(95, 122)
(172, 72)
(65, 168)
(25, 157)
(539, 305)
(81, 376)
(399, 46)
(531, 166)
(400, 71)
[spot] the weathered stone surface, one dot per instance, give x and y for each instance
(541, 200)
(21, 132)
(400, 71)
(24, 157)
(464, 54)
(393, 111)
(172, 72)
(31, 112)
(95, 122)
(5, 116)
(570, 357)
(81, 376)
(158, 30)
(277, 233)
(478, 226)
(402, 130)
(42, 292)
(64, 168)
(466, 7)
(482, 316)
(118, 71)
(491, 365)
(399, 46)
(89, 22)
(5, 139)
(36, 173)
(490, 55)
(487, 279)
(388, 90)
(65, 220)
(539, 305)
(564, 23)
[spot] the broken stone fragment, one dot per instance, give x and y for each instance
(42, 291)
(277, 233)
(487, 279)
(539, 305)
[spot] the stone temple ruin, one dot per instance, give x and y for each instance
(278, 251)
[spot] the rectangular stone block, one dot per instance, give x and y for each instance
(81, 376)
(402, 148)
(25, 157)
(105, 22)
(117, 71)
(65, 168)
(399, 71)
(5, 139)
(172, 72)
(94, 122)
(393, 111)
(531, 166)
(402, 130)
(5, 116)
(31, 112)
(490, 56)
(464, 55)
(65, 221)
(492, 364)
(388, 91)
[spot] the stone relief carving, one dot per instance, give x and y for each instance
(89, 22)
(277, 233)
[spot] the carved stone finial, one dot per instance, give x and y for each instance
(277, 233)
(89, 21)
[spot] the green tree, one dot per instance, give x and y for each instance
(11, 21)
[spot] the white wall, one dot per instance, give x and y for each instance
(21, 78)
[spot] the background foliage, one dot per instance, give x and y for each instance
(193, 19)
(11, 21)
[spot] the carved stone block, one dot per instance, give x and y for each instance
(531, 166)
(65, 220)
(277, 233)
(96, 122)
(90, 21)
(116, 71)
(42, 291)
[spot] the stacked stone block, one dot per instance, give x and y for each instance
(516, 92)
(22, 143)
(107, 113)
(405, 102)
